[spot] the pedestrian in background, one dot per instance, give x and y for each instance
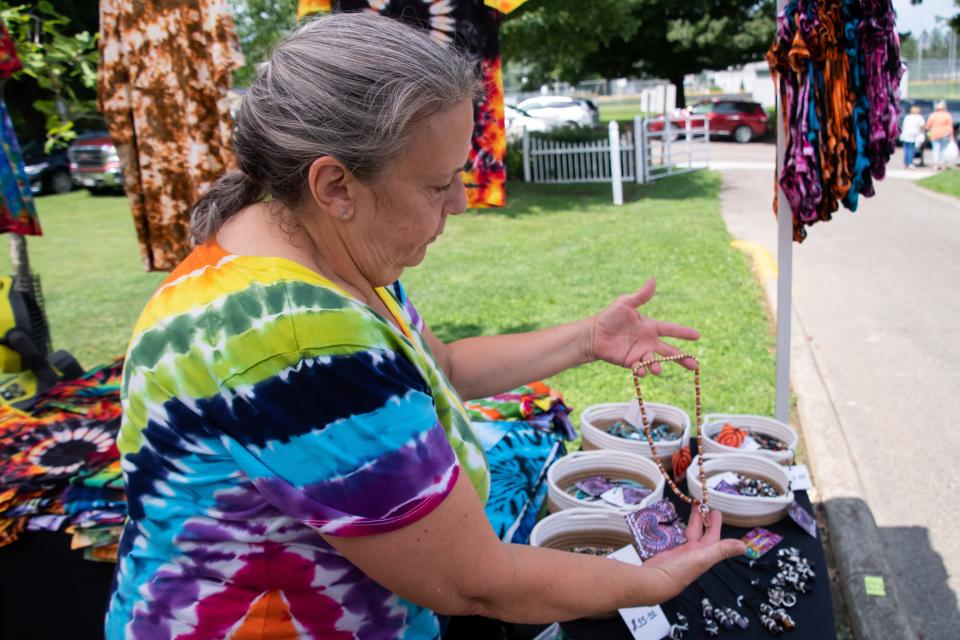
(940, 129)
(912, 136)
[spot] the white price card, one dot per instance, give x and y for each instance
(749, 444)
(634, 417)
(800, 479)
(644, 623)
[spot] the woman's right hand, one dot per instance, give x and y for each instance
(682, 565)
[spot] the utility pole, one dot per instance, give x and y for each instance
(921, 45)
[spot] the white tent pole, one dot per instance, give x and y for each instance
(784, 273)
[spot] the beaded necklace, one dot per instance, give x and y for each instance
(701, 505)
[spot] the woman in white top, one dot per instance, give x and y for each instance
(912, 136)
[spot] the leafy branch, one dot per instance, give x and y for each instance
(57, 61)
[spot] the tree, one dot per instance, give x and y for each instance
(61, 65)
(260, 25)
(555, 40)
(562, 40)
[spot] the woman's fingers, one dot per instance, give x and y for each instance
(671, 330)
(642, 295)
(694, 525)
(668, 351)
(712, 533)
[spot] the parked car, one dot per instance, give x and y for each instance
(562, 110)
(517, 120)
(48, 172)
(744, 121)
(94, 163)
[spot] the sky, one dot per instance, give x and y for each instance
(923, 16)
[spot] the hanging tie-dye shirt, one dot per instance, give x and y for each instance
(264, 406)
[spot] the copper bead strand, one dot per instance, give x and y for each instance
(701, 505)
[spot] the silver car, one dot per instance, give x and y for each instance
(563, 110)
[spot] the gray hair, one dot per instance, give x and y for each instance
(347, 85)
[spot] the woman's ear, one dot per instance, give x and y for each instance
(329, 184)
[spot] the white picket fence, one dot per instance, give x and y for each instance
(658, 154)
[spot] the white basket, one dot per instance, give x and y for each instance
(713, 423)
(572, 527)
(575, 527)
(615, 465)
(596, 437)
(737, 510)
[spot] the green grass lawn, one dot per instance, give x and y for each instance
(557, 253)
(89, 264)
(619, 111)
(947, 182)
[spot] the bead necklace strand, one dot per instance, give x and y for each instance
(701, 505)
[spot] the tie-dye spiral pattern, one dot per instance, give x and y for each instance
(263, 406)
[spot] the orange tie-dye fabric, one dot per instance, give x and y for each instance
(165, 70)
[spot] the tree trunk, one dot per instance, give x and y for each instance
(677, 82)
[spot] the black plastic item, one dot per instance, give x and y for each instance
(48, 592)
(28, 310)
(66, 365)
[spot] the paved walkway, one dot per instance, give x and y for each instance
(877, 294)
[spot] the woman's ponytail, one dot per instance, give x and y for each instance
(233, 191)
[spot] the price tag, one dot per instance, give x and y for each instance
(644, 623)
(800, 479)
(634, 417)
(749, 444)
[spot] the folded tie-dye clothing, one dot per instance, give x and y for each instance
(264, 406)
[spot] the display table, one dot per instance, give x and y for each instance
(813, 612)
(51, 592)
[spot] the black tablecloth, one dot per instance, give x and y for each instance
(813, 612)
(48, 592)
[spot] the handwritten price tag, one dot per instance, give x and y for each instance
(644, 623)
(799, 477)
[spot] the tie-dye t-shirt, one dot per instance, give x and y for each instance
(263, 406)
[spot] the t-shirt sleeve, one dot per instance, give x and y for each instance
(348, 443)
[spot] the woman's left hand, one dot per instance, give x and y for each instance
(621, 335)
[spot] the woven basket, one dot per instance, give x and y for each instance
(743, 511)
(574, 527)
(713, 423)
(616, 465)
(596, 419)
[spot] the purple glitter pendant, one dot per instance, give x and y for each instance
(656, 529)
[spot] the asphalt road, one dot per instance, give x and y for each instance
(877, 293)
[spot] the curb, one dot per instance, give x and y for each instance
(936, 195)
(854, 536)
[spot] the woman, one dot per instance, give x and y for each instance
(297, 456)
(911, 135)
(940, 130)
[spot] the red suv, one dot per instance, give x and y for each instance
(94, 163)
(744, 121)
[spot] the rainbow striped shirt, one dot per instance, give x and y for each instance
(263, 405)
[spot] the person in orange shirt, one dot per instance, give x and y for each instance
(940, 128)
